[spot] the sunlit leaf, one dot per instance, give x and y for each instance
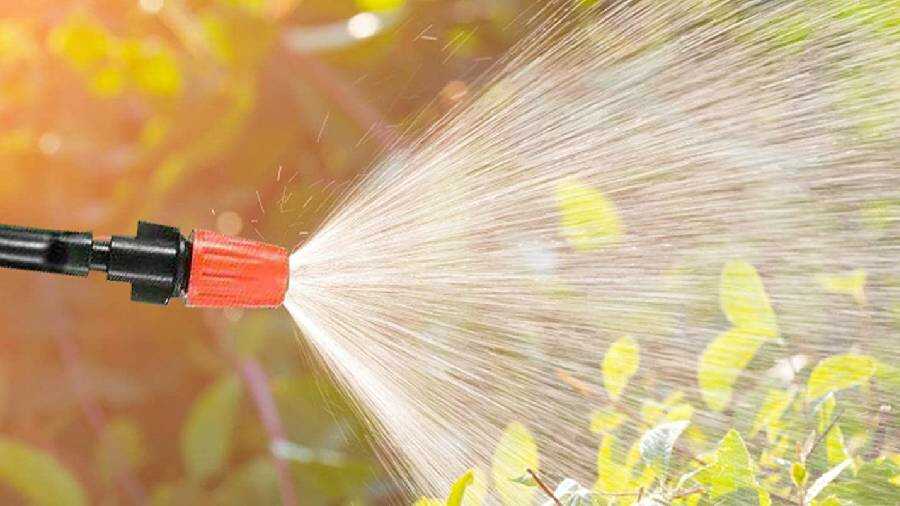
(477, 490)
(38, 476)
(589, 220)
(744, 299)
(798, 474)
(515, 454)
(612, 476)
(603, 420)
(723, 361)
(207, 435)
(657, 443)
(155, 71)
(379, 5)
(428, 501)
(773, 406)
(570, 493)
(458, 490)
(83, 42)
(839, 372)
(871, 486)
(619, 365)
(828, 501)
(824, 411)
(108, 81)
(835, 450)
(526, 479)
(851, 283)
(732, 469)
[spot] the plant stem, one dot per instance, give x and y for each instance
(543, 486)
(258, 383)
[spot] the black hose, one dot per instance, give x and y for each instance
(156, 262)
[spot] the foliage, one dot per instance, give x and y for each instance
(804, 458)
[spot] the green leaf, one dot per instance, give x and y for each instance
(835, 450)
(207, 435)
(589, 220)
(828, 501)
(657, 443)
(38, 476)
(619, 365)
(723, 361)
(798, 474)
(773, 406)
(526, 479)
(732, 470)
(516, 452)
(458, 490)
(824, 410)
(839, 372)
(826, 478)
(744, 300)
(851, 283)
(871, 486)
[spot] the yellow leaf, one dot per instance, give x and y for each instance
(774, 405)
(476, 490)
(428, 501)
(379, 5)
(458, 490)
(798, 474)
(603, 421)
(680, 412)
(515, 454)
(839, 372)
(619, 365)
(834, 446)
(81, 41)
(851, 283)
(731, 470)
(722, 363)
(589, 220)
(744, 300)
(37, 476)
(612, 476)
(824, 411)
(108, 82)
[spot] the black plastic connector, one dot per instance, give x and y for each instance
(156, 261)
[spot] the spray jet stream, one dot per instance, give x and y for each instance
(208, 269)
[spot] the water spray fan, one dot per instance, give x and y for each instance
(208, 269)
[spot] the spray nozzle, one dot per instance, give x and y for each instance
(208, 269)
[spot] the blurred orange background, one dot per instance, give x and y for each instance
(242, 116)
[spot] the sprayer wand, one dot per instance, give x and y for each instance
(208, 269)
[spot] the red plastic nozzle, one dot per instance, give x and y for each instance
(232, 272)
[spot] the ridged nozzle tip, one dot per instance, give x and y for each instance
(233, 272)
